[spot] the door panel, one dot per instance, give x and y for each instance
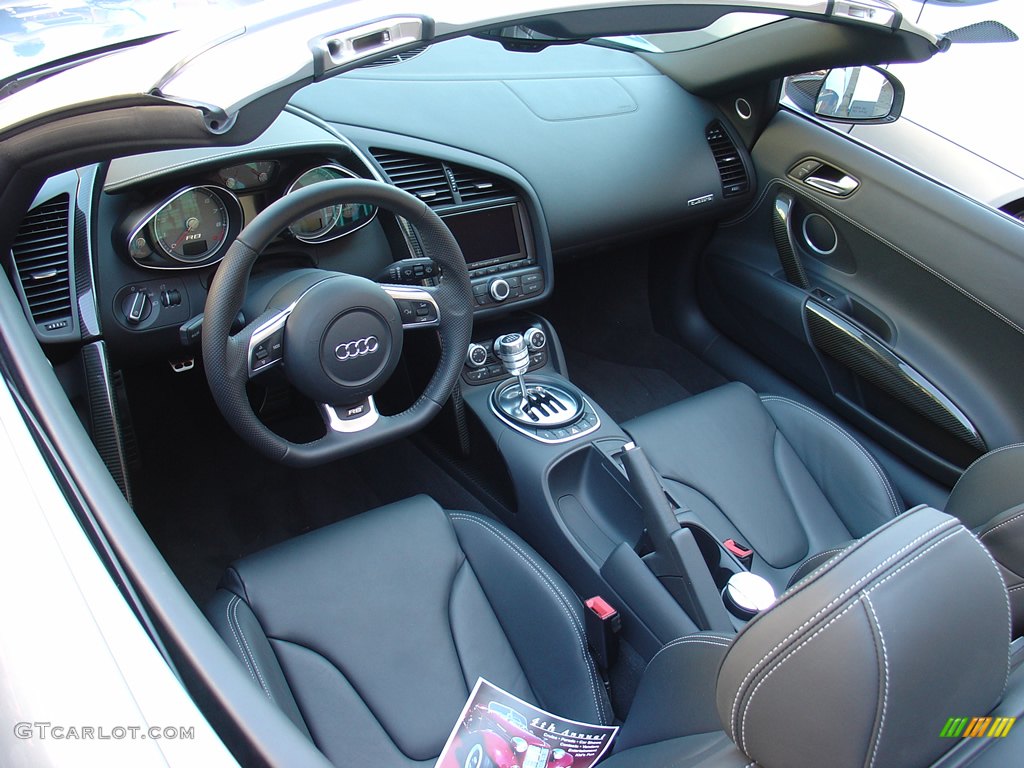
(898, 302)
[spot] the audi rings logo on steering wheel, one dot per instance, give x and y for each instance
(359, 348)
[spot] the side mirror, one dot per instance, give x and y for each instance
(859, 95)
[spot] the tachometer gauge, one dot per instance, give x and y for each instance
(334, 220)
(192, 226)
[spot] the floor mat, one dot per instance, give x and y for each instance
(612, 348)
(207, 499)
(624, 391)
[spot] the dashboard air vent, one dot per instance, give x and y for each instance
(474, 185)
(420, 176)
(729, 161)
(396, 58)
(40, 253)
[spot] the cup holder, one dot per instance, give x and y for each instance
(721, 563)
(743, 592)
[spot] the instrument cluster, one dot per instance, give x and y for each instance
(193, 224)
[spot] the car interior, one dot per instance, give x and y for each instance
(483, 328)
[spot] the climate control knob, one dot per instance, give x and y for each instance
(499, 289)
(536, 339)
(476, 356)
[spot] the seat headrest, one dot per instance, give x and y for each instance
(862, 662)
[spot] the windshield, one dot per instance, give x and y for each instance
(34, 34)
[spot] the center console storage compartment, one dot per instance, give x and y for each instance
(591, 498)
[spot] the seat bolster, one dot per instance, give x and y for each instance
(231, 616)
(817, 560)
(540, 615)
(992, 484)
(676, 695)
(1004, 537)
(851, 478)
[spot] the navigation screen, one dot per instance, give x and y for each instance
(489, 236)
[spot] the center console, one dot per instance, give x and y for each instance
(581, 504)
(498, 245)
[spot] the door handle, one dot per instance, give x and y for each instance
(782, 233)
(844, 186)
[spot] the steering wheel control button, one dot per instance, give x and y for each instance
(267, 352)
(746, 594)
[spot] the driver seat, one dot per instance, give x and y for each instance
(369, 634)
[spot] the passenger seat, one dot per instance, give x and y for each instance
(783, 480)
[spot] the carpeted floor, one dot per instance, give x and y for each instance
(207, 499)
(601, 313)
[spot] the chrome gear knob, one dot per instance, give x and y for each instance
(513, 352)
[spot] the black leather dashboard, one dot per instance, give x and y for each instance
(566, 149)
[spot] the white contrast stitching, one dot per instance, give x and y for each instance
(248, 650)
(952, 284)
(702, 639)
(982, 458)
(829, 554)
(743, 722)
(838, 599)
(885, 691)
(1009, 611)
(792, 652)
(1013, 519)
(871, 459)
(231, 626)
(557, 592)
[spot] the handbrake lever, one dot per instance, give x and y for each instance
(676, 560)
(659, 519)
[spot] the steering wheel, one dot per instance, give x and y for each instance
(338, 336)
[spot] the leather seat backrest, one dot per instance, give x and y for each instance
(862, 663)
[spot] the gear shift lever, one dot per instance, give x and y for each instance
(539, 405)
(514, 354)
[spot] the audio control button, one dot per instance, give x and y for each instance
(499, 289)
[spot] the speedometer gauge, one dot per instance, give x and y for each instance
(334, 220)
(192, 226)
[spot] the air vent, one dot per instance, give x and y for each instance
(728, 160)
(40, 253)
(474, 185)
(420, 176)
(396, 58)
